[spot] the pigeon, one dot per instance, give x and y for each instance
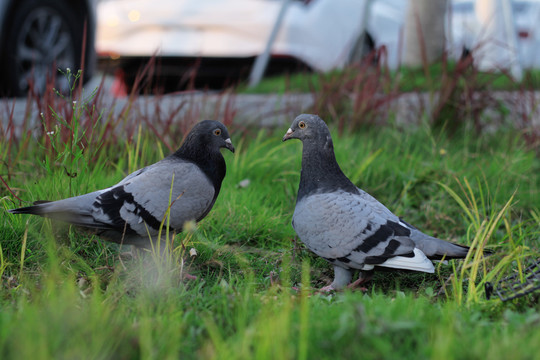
(133, 211)
(348, 227)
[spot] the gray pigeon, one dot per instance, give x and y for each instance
(345, 225)
(131, 212)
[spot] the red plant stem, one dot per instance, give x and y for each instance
(9, 189)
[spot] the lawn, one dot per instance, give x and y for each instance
(66, 294)
(426, 78)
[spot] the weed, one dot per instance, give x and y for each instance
(357, 96)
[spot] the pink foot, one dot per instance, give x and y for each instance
(357, 283)
(189, 276)
(326, 289)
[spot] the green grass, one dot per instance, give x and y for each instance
(407, 80)
(66, 294)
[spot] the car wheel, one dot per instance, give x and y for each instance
(43, 36)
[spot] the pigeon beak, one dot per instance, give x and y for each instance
(229, 145)
(288, 134)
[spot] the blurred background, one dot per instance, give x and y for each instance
(172, 45)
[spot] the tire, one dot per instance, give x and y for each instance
(42, 36)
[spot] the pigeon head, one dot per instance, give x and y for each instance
(203, 143)
(210, 135)
(309, 129)
(202, 147)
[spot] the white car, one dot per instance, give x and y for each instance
(39, 36)
(310, 31)
(221, 38)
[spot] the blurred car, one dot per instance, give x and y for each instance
(221, 38)
(218, 40)
(466, 31)
(463, 29)
(37, 37)
(385, 27)
(527, 17)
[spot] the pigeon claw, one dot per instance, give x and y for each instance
(327, 289)
(189, 276)
(356, 284)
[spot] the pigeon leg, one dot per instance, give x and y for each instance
(364, 277)
(341, 278)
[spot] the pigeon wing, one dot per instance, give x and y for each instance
(140, 202)
(352, 229)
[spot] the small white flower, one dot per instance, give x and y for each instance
(50, 132)
(192, 252)
(244, 183)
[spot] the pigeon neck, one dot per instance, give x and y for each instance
(321, 172)
(209, 160)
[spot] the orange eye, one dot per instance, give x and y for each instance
(302, 125)
(217, 132)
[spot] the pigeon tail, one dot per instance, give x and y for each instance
(35, 209)
(71, 210)
(437, 249)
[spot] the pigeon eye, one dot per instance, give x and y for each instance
(302, 125)
(217, 132)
